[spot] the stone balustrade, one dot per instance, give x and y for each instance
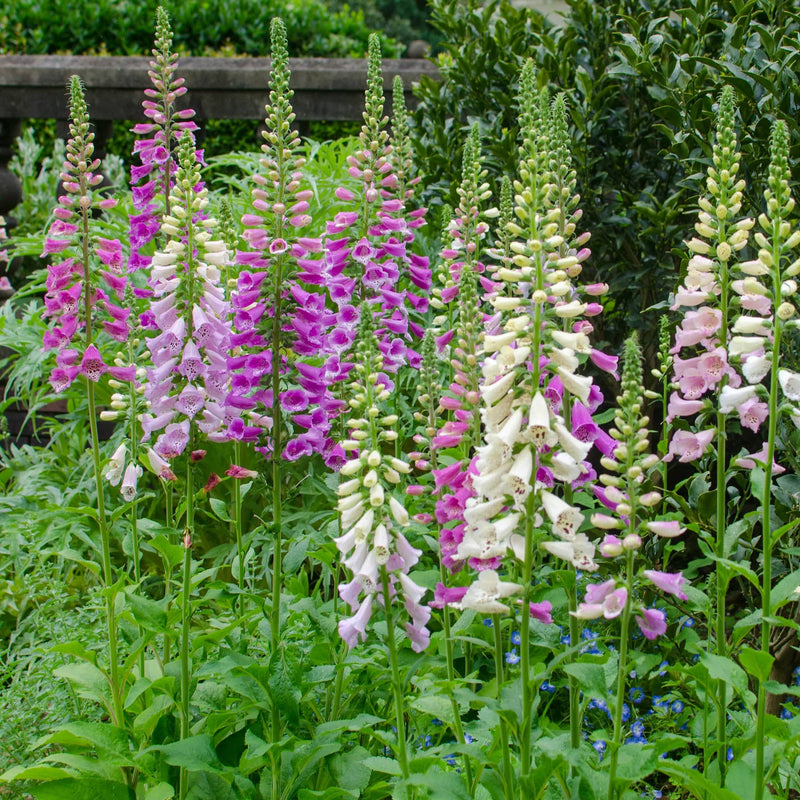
(34, 87)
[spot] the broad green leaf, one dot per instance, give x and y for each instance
(723, 669)
(75, 649)
(635, 761)
(83, 789)
(38, 772)
(163, 791)
(195, 753)
(284, 682)
(591, 677)
(146, 721)
(170, 552)
(436, 705)
(784, 590)
(757, 663)
(147, 613)
(693, 780)
(349, 769)
(380, 764)
(87, 680)
(220, 509)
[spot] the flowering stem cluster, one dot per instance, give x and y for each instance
(777, 263)
(633, 507)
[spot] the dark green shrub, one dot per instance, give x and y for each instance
(641, 80)
(236, 27)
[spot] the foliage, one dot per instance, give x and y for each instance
(563, 660)
(201, 28)
(641, 81)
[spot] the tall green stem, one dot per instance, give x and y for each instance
(721, 571)
(186, 616)
(108, 574)
(766, 521)
(621, 676)
(508, 779)
(397, 683)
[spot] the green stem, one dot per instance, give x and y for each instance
(525, 650)
(108, 574)
(574, 685)
(458, 727)
(721, 571)
(186, 616)
(766, 527)
(397, 684)
(241, 604)
(622, 675)
(508, 779)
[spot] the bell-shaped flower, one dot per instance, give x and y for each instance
(485, 594)
(566, 519)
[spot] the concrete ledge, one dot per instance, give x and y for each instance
(218, 88)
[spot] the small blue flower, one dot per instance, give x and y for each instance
(436, 722)
(676, 706)
(662, 668)
(636, 695)
(516, 639)
(578, 575)
(565, 640)
(657, 794)
(512, 657)
(426, 741)
(786, 713)
(796, 675)
(591, 649)
(488, 622)
(468, 739)
(451, 759)
(688, 623)
(730, 754)
(636, 740)
(626, 712)
(637, 728)
(547, 687)
(600, 748)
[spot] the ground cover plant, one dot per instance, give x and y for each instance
(364, 523)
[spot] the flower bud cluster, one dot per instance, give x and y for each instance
(280, 325)
(188, 381)
(151, 179)
(632, 504)
(79, 293)
(778, 241)
(366, 254)
(707, 346)
(371, 510)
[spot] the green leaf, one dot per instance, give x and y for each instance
(163, 791)
(83, 789)
(693, 780)
(723, 669)
(147, 613)
(350, 771)
(757, 663)
(195, 753)
(784, 590)
(38, 772)
(220, 509)
(635, 761)
(284, 682)
(146, 721)
(436, 706)
(591, 677)
(171, 553)
(87, 680)
(380, 764)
